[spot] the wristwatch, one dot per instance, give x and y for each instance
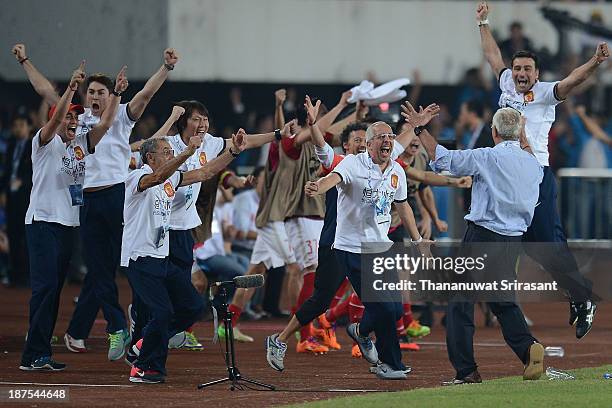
(418, 130)
(116, 93)
(277, 135)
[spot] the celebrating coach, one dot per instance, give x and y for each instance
(504, 195)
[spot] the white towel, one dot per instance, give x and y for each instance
(388, 92)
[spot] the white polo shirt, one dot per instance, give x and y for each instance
(55, 166)
(538, 107)
(365, 195)
(112, 159)
(146, 216)
(246, 204)
(184, 214)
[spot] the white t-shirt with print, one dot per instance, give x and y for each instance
(538, 108)
(111, 162)
(146, 216)
(365, 195)
(184, 214)
(55, 166)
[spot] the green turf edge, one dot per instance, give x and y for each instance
(588, 389)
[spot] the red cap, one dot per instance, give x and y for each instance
(73, 107)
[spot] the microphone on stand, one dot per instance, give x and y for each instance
(247, 281)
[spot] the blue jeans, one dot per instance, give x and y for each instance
(224, 267)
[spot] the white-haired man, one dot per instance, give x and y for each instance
(505, 190)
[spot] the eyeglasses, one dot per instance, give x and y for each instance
(165, 152)
(391, 136)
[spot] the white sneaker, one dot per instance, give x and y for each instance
(74, 345)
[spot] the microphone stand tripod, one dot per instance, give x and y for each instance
(230, 356)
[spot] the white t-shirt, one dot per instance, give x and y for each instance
(245, 212)
(184, 214)
(146, 216)
(55, 166)
(365, 195)
(538, 107)
(112, 159)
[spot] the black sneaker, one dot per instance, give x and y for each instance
(46, 363)
(473, 378)
(573, 313)
(586, 315)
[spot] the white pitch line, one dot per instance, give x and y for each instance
(343, 390)
(66, 385)
(442, 343)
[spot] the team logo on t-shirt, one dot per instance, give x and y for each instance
(202, 158)
(78, 153)
(528, 97)
(394, 180)
(169, 190)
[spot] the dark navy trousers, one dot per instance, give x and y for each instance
(180, 262)
(49, 251)
(460, 315)
(378, 317)
(101, 233)
(172, 303)
(328, 279)
(552, 251)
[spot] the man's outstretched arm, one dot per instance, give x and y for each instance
(140, 101)
(489, 46)
(41, 85)
(583, 72)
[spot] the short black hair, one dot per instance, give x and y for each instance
(351, 127)
(526, 54)
(20, 115)
(475, 106)
(102, 79)
(516, 24)
(190, 107)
